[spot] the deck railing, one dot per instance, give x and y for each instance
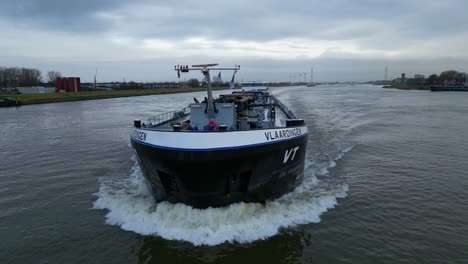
(167, 117)
(289, 114)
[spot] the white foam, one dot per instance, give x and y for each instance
(332, 162)
(132, 208)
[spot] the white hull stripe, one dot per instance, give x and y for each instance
(207, 141)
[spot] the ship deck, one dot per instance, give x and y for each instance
(239, 111)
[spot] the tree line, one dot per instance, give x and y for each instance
(24, 77)
(20, 77)
(447, 76)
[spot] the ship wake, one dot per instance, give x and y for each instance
(131, 206)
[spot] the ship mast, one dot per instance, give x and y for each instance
(205, 69)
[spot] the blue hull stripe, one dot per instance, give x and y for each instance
(216, 149)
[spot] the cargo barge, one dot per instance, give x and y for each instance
(235, 148)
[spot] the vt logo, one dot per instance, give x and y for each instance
(288, 153)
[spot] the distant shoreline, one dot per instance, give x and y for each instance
(29, 99)
(408, 87)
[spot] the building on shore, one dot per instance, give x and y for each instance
(67, 84)
(418, 79)
(35, 90)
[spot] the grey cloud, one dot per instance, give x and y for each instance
(245, 20)
(385, 25)
(265, 20)
(57, 15)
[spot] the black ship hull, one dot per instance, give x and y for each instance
(216, 177)
(449, 88)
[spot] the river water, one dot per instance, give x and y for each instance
(386, 181)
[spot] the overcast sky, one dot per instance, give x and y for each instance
(143, 40)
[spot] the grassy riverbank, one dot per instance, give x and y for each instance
(409, 86)
(26, 99)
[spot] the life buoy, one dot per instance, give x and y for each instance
(214, 124)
